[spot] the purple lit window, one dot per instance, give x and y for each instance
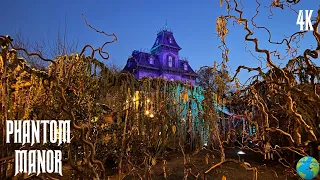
(170, 40)
(185, 67)
(151, 60)
(170, 61)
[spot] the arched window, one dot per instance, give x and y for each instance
(170, 40)
(170, 61)
(157, 41)
(151, 60)
(185, 66)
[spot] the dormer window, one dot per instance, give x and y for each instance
(151, 60)
(157, 41)
(170, 61)
(185, 66)
(170, 40)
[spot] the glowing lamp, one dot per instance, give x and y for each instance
(240, 152)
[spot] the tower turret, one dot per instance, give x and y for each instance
(165, 41)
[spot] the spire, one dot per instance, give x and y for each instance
(166, 25)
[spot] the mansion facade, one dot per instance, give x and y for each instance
(162, 61)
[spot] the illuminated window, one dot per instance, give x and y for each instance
(185, 67)
(170, 61)
(170, 40)
(151, 60)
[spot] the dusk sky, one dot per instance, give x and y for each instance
(136, 24)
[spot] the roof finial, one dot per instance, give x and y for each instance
(166, 25)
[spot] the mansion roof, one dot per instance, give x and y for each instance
(142, 60)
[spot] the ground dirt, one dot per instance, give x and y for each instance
(271, 170)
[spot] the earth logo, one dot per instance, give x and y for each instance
(307, 167)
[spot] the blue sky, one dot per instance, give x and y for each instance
(137, 22)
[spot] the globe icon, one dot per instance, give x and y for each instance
(307, 167)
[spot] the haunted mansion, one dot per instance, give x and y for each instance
(162, 61)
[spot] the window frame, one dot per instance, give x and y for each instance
(151, 60)
(185, 66)
(170, 61)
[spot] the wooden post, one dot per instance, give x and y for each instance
(243, 129)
